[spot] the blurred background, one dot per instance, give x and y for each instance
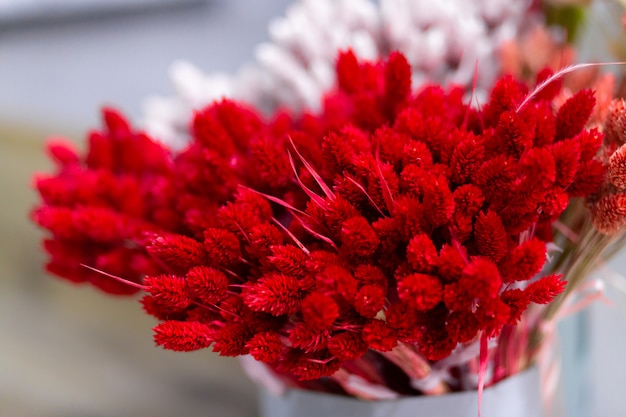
(68, 351)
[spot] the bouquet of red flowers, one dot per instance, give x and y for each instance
(409, 240)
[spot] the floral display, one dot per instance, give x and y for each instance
(446, 42)
(401, 235)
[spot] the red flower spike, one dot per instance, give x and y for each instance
(370, 275)
(397, 81)
(289, 260)
(451, 263)
(467, 157)
(468, 199)
(404, 320)
(617, 168)
(391, 145)
(209, 132)
(347, 346)
(462, 327)
(270, 163)
(100, 224)
(421, 253)
(341, 149)
(255, 204)
(62, 152)
(551, 90)
(321, 259)
(545, 289)
(369, 300)
(337, 280)
(309, 340)
(545, 123)
(420, 291)
(209, 285)
(348, 72)
(554, 203)
(492, 315)
(169, 291)
(490, 236)
(438, 203)
(232, 339)
(416, 153)
(434, 343)
(524, 262)
(263, 237)
(566, 158)
(203, 315)
(358, 238)
(265, 347)
(414, 180)
(379, 336)
(496, 175)
(513, 134)
(232, 307)
(240, 122)
(58, 220)
(590, 176)
(159, 311)
(307, 369)
(177, 251)
(574, 114)
(319, 311)
(518, 302)
(116, 123)
(590, 143)
(276, 294)
(506, 95)
(182, 336)
(539, 167)
(481, 279)
(222, 247)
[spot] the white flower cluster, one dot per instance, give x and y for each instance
(446, 41)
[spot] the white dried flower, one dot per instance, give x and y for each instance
(445, 41)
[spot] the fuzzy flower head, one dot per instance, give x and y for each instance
(393, 217)
(446, 42)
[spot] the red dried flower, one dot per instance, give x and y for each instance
(545, 289)
(319, 311)
(490, 236)
(177, 251)
(369, 300)
(421, 253)
(265, 347)
(574, 114)
(379, 336)
(222, 247)
(183, 336)
(273, 293)
(420, 291)
(207, 284)
(347, 345)
(169, 291)
(524, 261)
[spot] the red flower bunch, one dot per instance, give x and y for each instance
(393, 217)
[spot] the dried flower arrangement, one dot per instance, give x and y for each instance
(399, 237)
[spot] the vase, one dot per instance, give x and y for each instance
(517, 396)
